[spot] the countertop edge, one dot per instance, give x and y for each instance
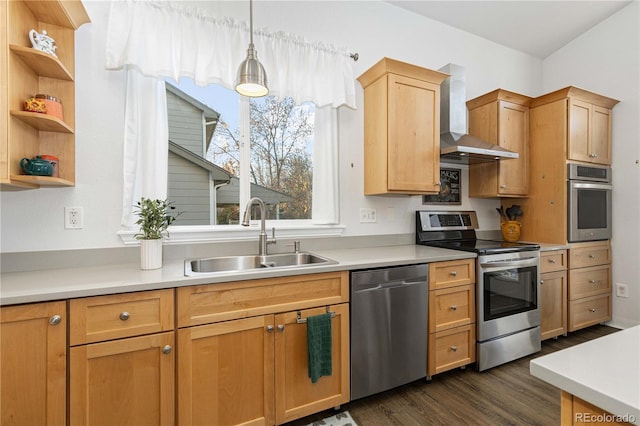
(543, 369)
(49, 285)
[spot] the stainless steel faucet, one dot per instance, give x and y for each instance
(262, 239)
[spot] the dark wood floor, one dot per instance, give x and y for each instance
(504, 395)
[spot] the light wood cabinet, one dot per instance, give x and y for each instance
(502, 118)
(575, 411)
(589, 284)
(452, 338)
(589, 132)
(33, 371)
(553, 293)
(30, 72)
(122, 359)
(251, 335)
(401, 128)
(568, 125)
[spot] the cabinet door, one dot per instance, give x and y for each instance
(414, 135)
(600, 148)
(579, 130)
(553, 304)
(513, 134)
(33, 341)
(123, 382)
(225, 373)
(296, 396)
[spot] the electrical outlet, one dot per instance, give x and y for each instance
(73, 218)
(367, 215)
(622, 290)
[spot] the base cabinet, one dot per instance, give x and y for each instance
(553, 293)
(123, 382)
(589, 284)
(255, 370)
(33, 367)
(242, 350)
(452, 337)
(122, 359)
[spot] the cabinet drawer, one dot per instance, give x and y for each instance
(451, 273)
(551, 261)
(589, 254)
(586, 282)
(451, 348)
(451, 307)
(210, 303)
(94, 319)
(589, 311)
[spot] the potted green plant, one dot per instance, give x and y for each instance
(154, 217)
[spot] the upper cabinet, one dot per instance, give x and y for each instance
(588, 123)
(401, 128)
(502, 118)
(31, 72)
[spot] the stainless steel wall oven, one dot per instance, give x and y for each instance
(589, 203)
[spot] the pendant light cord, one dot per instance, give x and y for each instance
(251, 22)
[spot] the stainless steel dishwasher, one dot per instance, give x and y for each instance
(388, 328)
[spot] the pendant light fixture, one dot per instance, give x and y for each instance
(252, 79)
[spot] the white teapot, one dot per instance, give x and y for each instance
(42, 42)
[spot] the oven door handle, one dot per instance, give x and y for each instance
(589, 185)
(520, 263)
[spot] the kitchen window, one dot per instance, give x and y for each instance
(223, 168)
(139, 44)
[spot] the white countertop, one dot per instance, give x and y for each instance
(603, 371)
(55, 284)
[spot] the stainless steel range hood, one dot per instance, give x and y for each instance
(455, 143)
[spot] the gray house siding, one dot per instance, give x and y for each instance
(189, 190)
(185, 124)
(188, 184)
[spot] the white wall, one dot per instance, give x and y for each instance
(606, 60)
(33, 220)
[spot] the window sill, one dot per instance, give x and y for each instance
(216, 234)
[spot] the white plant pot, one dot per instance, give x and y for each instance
(151, 254)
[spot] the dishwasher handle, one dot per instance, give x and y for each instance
(389, 285)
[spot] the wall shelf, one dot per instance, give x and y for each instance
(41, 181)
(44, 64)
(42, 121)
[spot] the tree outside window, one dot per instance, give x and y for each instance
(281, 154)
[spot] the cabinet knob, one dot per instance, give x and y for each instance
(503, 186)
(438, 183)
(166, 350)
(592, 281)
(124, 316)
(454, 273)
(280, 327)
(552, 261)
(454, 307)
(454, 348)
(592, 310)
(55, 320)
(541, 282)
(269, 328)
(592, 256)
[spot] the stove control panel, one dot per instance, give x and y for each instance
(439, 220)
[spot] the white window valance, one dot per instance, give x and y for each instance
(152, 40)
(164, 39)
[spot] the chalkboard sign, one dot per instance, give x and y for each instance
(450, 188)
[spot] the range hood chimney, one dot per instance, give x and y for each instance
(455, 143)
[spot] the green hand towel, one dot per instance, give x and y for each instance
(319, 346)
